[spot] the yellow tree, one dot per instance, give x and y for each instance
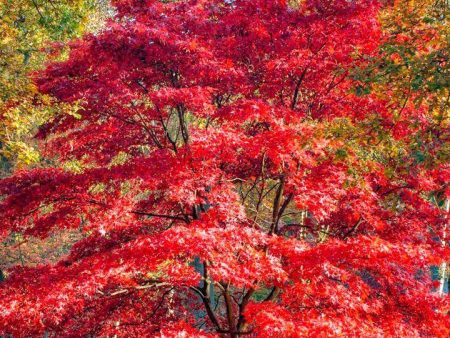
(25, 27)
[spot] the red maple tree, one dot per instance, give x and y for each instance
(229, 182)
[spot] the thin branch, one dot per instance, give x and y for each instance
(38, 9)
(273, 294)
(297, 88)
(174, 217)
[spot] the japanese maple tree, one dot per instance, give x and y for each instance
(231, 177)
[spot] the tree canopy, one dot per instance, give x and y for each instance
(240, 167)
(30, 32)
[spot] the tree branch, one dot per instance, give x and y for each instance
(174, 217)
(297, 88)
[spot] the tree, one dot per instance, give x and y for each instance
(232, 178)
(411, 72)
(28, 27)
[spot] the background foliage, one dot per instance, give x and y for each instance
(31, 33)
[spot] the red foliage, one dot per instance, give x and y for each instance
(233, 213)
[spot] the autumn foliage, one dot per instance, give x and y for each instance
(233, 174)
